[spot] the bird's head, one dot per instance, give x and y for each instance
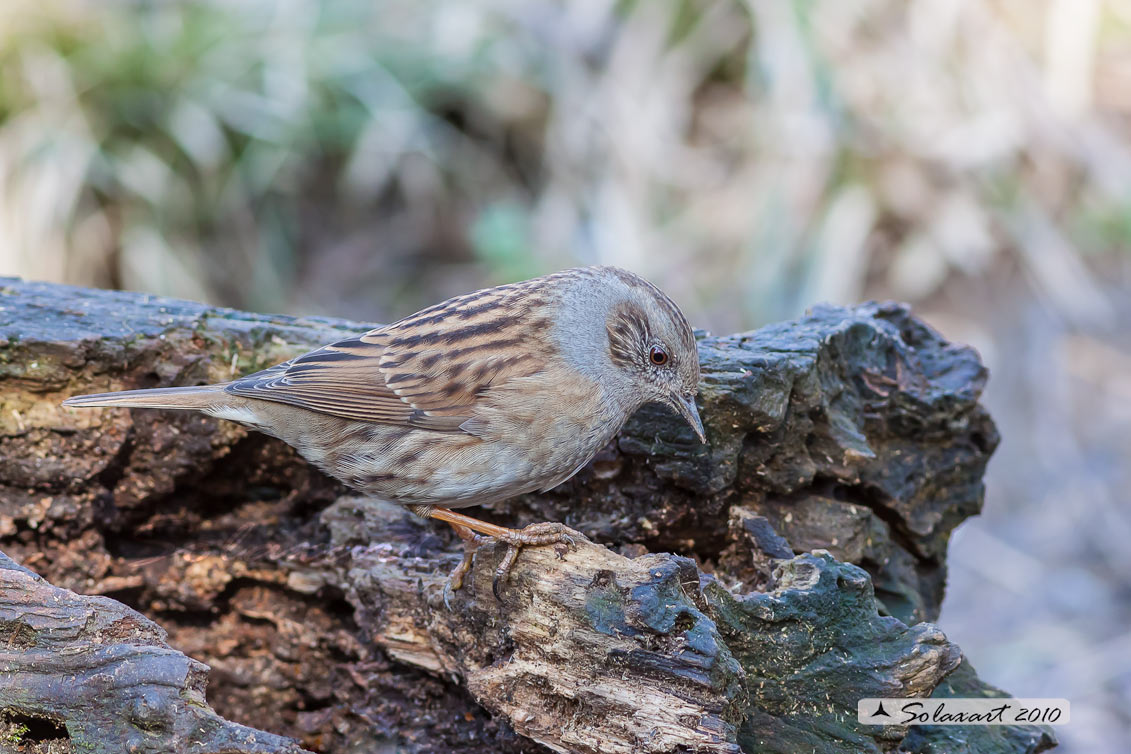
(652, 343)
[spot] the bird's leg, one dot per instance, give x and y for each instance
(471, 543)
(534, 535)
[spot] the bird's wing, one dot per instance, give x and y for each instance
(429, 370)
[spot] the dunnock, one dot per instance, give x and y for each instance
(474, 400)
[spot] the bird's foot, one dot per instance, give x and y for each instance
(534, 535)
(475, 532)
(471, 544)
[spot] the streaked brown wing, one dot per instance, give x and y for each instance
(428, 370)
(342, 379)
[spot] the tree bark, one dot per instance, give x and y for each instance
(90, 669)
(852, 436)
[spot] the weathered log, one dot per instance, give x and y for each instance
(855, 431)
(93, 672)
(595, 652)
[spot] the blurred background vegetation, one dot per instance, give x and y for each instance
(364, 159)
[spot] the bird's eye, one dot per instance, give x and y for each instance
(658, 356)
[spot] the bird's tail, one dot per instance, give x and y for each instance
(198, 398)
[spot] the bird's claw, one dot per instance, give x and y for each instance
(503, 570)
(452, 585)
(455, 579)
(534, 535)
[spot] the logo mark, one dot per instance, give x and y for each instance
(962, 711)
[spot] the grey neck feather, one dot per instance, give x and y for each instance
(581, 334)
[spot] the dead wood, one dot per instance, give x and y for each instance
(852, 437)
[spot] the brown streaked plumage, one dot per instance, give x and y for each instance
(473, 400)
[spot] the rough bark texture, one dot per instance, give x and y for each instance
(90, 669)
(855, 433)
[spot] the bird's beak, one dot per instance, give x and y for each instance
(685, 406)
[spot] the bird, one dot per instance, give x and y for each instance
(474, 400)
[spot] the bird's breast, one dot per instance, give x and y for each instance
(528, 435)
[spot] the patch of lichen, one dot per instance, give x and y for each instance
(809, 649)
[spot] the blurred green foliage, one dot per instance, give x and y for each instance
(217, 142)
(365, 158)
